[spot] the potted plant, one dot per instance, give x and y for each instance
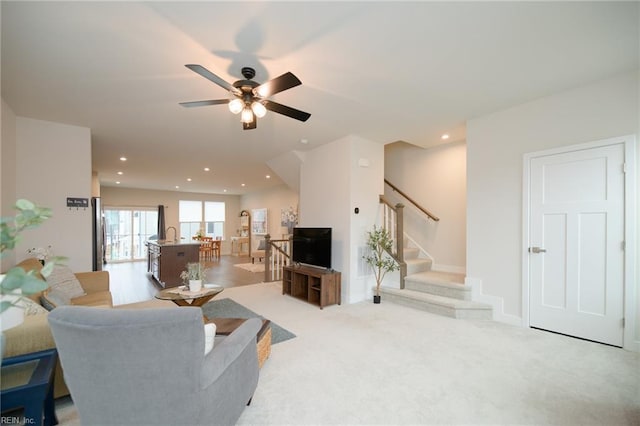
(17, 283)
(193, 274)
(379, 243)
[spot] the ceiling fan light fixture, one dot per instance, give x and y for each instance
(258, 109)
(247, 115)
(236, 105)
(247, 97)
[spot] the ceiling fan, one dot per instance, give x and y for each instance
(249, 97)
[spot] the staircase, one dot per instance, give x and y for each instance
(440, 293)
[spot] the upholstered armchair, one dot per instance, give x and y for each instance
(259, 252)
(148, 366)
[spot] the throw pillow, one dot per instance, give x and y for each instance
(53, 298)
(209, 337)
(31, 308)
(64, 280)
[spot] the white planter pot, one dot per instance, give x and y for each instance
(195, 285)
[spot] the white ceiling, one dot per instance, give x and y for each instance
(386, 71)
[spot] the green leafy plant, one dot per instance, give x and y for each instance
(379, 243)
(194, 271)
(16, 281)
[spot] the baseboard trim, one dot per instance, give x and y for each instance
(496, 302)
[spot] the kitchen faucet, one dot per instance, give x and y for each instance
(175, 233)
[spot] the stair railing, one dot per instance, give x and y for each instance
(277, 253)
(393, 223)
(418, 206)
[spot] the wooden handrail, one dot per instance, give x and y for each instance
(418, 206)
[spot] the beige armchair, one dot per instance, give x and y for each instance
(259, 252)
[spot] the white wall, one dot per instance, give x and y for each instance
(436, 179)
(274, 200)
(367, 183)
(132, 198)
(496, 144)
(7, 173)
(53, 162)
(332, 184)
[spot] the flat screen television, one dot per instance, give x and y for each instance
(312, 246)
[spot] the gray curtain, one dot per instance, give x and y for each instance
(161, 224)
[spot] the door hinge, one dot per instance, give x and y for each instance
(624, 167)
(623, 322)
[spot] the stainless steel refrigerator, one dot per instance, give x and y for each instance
(97, 230)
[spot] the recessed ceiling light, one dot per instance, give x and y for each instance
(242, 184)
(188, 179)
(120, 173)
(177, 187)
(444, 137)
(206, 169)
(117, 182)
(304, 141)
(268, 176)
(123, 158)
(224, 190)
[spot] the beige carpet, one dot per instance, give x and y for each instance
(251, 267)
(365, 364)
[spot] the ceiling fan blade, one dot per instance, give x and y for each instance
(288, 111)
(252, 125)
(199, 69)
(276, 85)
(204, 103)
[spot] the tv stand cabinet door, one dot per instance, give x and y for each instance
(330, 289)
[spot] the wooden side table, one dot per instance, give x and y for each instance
(27, 381)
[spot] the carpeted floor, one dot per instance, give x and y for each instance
(251, 267)
(227, 308)
(366, 364)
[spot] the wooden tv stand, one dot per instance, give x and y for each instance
(317, 286)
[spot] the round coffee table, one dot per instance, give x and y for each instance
(182, 296)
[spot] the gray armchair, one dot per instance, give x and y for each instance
(147, 366)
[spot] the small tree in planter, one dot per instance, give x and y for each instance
(194, 275)
(379, 241)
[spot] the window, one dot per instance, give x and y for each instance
(126, 231)
(214, 219)
(205, 217)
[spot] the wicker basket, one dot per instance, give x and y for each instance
(264, 345)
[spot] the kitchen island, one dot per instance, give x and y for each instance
(167, 259)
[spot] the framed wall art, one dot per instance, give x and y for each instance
(259, 221)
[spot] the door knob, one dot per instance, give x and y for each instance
(537, 250)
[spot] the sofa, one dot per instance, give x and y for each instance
(34, 333)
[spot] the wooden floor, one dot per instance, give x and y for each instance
(130, 282)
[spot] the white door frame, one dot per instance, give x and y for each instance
(630, 191)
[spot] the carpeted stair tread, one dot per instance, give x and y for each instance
(440, 305)
(410, 253)
(440, 278)
(415, 266)
(437, 300)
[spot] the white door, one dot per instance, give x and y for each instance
(576, 253)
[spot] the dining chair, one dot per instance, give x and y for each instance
(206, 248)
(217, 245)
